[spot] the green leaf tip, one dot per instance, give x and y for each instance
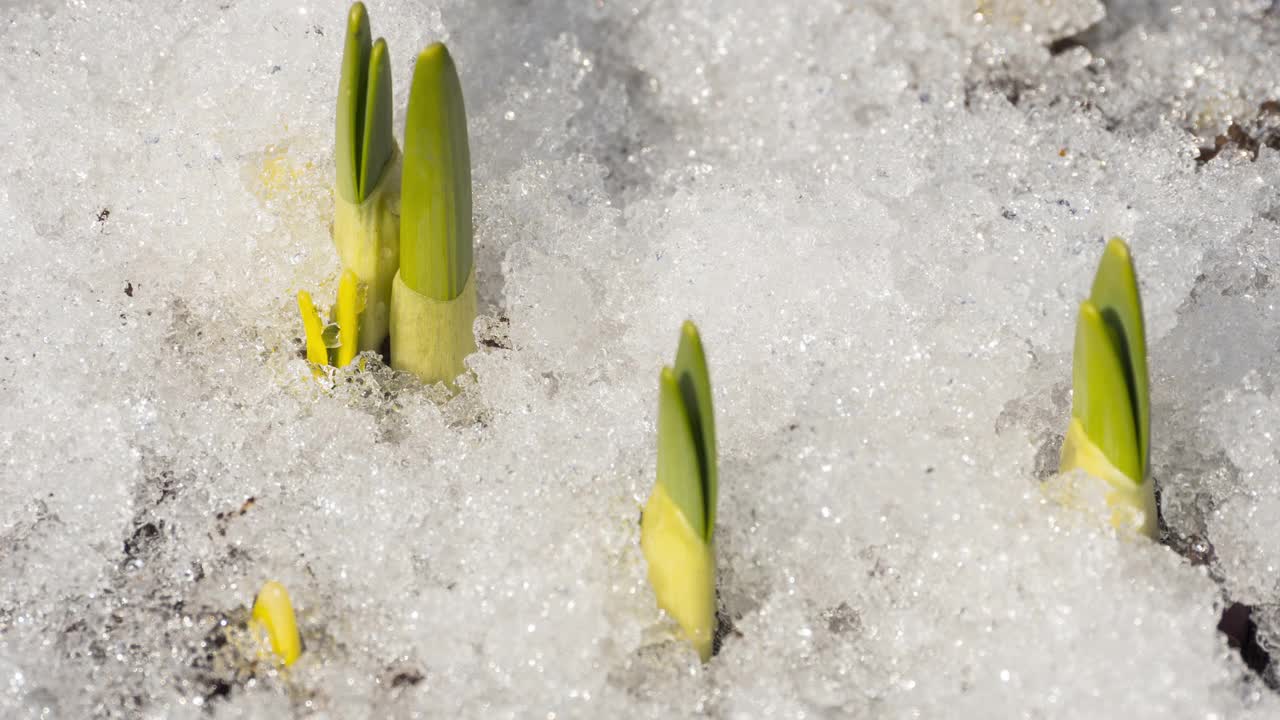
(364, 141)
(378, 141)
(1109, 368)
(1115, 293)
(695, 388)
(687, 436)
(436, 253)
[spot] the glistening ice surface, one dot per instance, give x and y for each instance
(881, 214)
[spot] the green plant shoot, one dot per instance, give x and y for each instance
(677, 532)
(366, 225)
(434, 295)
(435, 234)
(1109, 434)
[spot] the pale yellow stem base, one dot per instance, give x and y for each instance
(682, 569)
(429, 337)
(1132, 504)
(367, 236)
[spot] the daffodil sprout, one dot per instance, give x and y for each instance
(366, 222)
(433, 302)
(677, 529)
(1110, 432)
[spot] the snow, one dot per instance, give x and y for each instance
(881, 215)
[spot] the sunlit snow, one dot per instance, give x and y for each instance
(882, 215)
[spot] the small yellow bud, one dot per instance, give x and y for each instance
(317, 353)
(273, 614)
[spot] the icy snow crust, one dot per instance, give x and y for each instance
(881, 214)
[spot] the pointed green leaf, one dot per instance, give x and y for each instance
(351, 97)
(1115, 294)
(376, 120)
(695, 388)
(1100, 397)
(678, 468)
(435, 199)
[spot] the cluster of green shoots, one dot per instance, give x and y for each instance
(402, 227)
(401, 221)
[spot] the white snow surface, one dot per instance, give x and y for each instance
(881, 214)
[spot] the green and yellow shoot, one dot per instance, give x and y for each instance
(433, 304)
(1110, 430)
(366, 223)
(402, 224)
(677, 529)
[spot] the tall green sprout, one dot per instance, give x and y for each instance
(434, 295)
(366, 224)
